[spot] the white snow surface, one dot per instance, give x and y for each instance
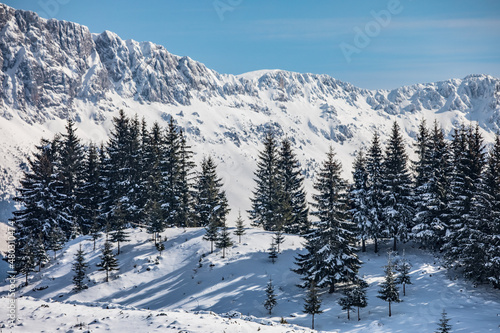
(188, 289)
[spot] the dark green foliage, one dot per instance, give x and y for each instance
(108, 260)
(347, 302)
(388, 289)
(278, 239)
(118, 226)
(224, 241)
(312, 303)
(403, 267)
(211, 234)
(358, 295)
(154, 219)
(273, 251)
(270, 302)
(79, 267)
(240, 227)
(397, 194)
(358, 196)
(443, 326)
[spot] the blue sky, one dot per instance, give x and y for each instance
(371, 43)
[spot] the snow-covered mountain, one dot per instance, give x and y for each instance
(52, 70)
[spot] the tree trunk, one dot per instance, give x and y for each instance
(107, 275)
(26, 277)
(363, 245)
(394, 246)
(358, 315)
(118, 248)
(376, 245)
(348, 314)
(313, 322)
(224, 255)
(404, 289)
(332, 288)
(390, 308)
(211, 247)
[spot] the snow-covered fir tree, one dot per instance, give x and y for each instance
(431, 188)
(443, 325)
(108, 261)
(268, 193)
(333, 259)
(270, 301)
(358, 195)
(403, 267)
(273, 251)
(359, 299)
(278, 238)
(388, 289)
(374, 195)
(224, 240)
(293, 194)
(118, 226)
(90, 194)
(397, 194)
(312, 303)
(80, 267)
(347, 302)
(240, 227)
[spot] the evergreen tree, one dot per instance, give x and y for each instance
(119, 233)
(39, 252)
(334, 259)
(108, 260)
(185, 180)
(25, 259)
(211, 203)
(389, 291)
(267, 194)
(431, 190)
(397, 189)
(374, 195)
(278, 238)
(211, 234)
(154, 219)
(71, 173)
(293, 194)
(358, 195)
(224, 241)
(56, 240)
(270, 302)
(359, 295)
(312, 303)
(403, 267)
(90, 193)
(273, 251)
(240, 227)
(79, 267)
(347, 302)
(443, 326)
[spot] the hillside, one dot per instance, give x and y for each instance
(188, 278)
(53, 70)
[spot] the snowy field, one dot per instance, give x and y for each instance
(190, 290)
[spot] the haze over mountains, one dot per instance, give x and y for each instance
(53, 70)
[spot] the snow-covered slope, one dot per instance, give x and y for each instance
(188, 278)
(52, 70)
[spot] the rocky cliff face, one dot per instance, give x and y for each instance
(52, 70)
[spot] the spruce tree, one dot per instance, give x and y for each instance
(278, 238)
(347, 302)
(154, 219)
(39, 252)
(240, 227)
(358, 195)
(273, 251)
(312, 304)
(334, 259)
(25, 259)
(293, 193)
(443, 326)
(397, 199)
(211, 203)
(359, 295)
(224, 241)
(403, 267)
(270, 302)
(374, 197)
(388, 289)
(185, 183)
(90, 193)
(79, 267)
(108, 260)
(118, 225)
(268, 192)
(211, 234)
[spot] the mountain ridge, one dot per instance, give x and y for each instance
(53, 70)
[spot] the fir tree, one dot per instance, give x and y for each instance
(331, 258)
(347, 302)
(358, 195)
(39, 253)
(403, 267)
(312, 303)
(108, 260)
(184, 184)
(273, 251)
(240, 227)
(270, 302)
(374, 195)
(56, 240)
(278, 238)
(267, 193)
(397, 189)
(293, 193)
(25, 259)
(443, 326)
(389, 291)
(358, 293)
(224, 241)
(211, 234)
(118, 225)
(90, 193)
(154, 219)
(79, 267)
